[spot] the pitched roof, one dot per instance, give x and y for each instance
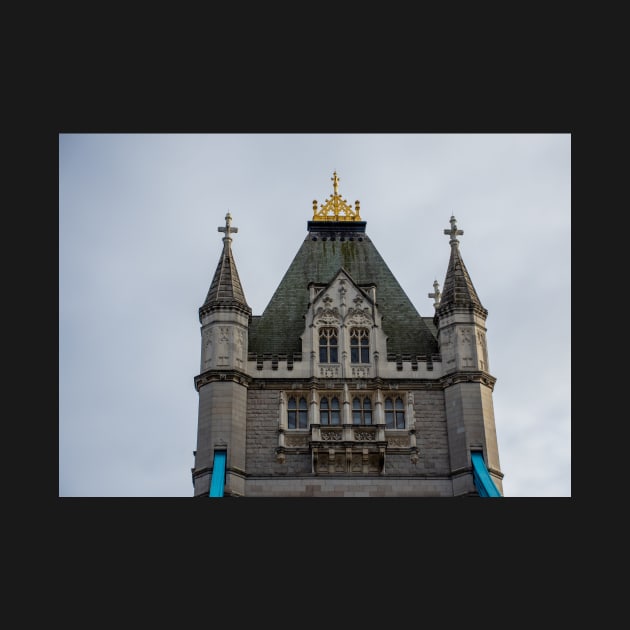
(328, 247)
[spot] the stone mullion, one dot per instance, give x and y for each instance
(379, 416)
(342, 349)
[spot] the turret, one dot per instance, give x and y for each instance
(223, 381)
(460, 319)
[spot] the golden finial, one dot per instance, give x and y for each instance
(336, 208)
(335, 181)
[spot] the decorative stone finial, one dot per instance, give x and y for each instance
(436, 294)
(228, 229)
(453, 232)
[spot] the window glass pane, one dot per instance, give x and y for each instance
(333, 354)
(291, 413)
(389, 413)
(335, 417)
(400, 414)
(354, 348)
(367, 411)
(323, 411)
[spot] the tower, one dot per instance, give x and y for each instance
(340, 387)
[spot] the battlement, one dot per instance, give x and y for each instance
(408, 361)
(274, 361)
(397, 365)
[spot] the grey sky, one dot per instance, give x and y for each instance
(138, 246)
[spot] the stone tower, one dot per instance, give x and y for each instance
(461, 323)
(340, 388)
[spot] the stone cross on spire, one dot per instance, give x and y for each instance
(228, 229)
(436, 294)
(453, 232)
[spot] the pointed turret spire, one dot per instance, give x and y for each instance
(458, 288)
(226, 290)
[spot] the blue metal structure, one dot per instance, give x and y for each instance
(483, 482)
(218, 474)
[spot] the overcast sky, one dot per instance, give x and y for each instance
(138, 247)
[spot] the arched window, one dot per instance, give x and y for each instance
(359, 345)
(329, 414)
(361, 410)
(297, 414)
(328, 345)
(394, 413)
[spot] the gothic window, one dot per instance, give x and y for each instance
(328, 345)
(297, 414)
(394, 413)
(329, 414)
(361, 411)
(359, 345)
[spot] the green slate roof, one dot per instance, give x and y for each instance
(329, 246)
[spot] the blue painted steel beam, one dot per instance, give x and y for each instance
(218, 474)
(483, 482)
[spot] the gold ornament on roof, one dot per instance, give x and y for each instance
(336, 208)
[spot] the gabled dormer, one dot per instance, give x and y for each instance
(343, 335)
